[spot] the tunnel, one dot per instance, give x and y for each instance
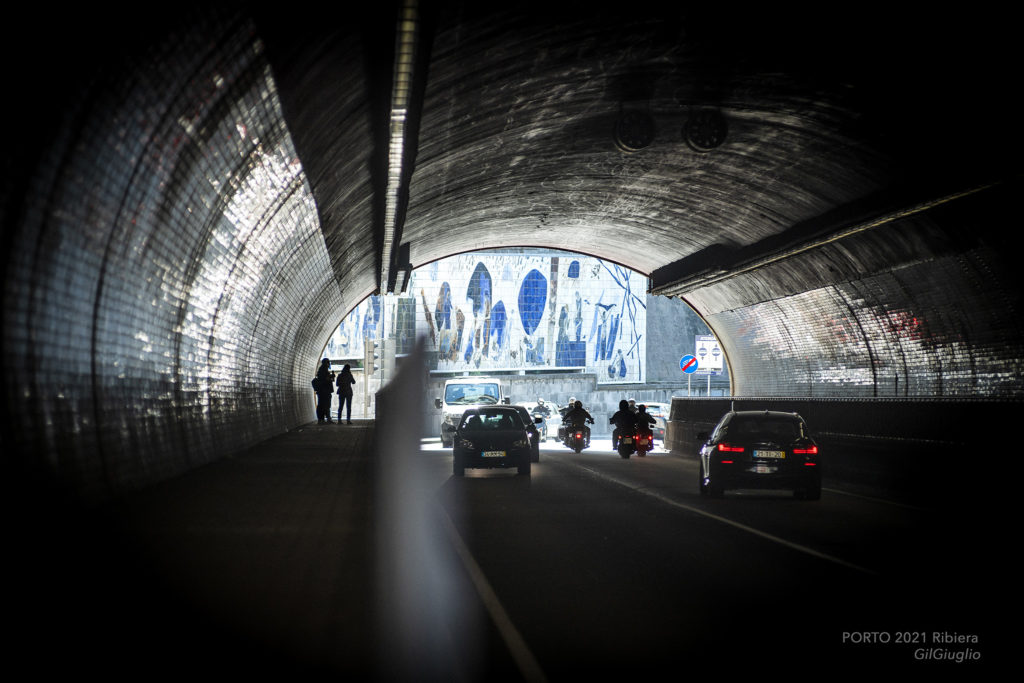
(192, 204)
(196, 195)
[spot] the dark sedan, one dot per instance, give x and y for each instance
(762, 450)
(488, 437)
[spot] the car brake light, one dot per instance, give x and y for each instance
(810, 450)
(726, 462)
(730, 449)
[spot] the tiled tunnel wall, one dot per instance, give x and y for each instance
(169, 287)
(927, 305)
(895, 334)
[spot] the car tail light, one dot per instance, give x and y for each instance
(730, 449)
(808, 450)
(725, 462)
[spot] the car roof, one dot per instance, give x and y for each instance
(491, 409)
(776, 414)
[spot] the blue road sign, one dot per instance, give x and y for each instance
(688, 364)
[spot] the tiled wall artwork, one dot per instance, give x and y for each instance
(513, 310)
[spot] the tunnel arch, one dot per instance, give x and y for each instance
(830, 256)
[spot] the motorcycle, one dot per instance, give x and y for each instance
(644, 438)
(575, 439)
(638, 441)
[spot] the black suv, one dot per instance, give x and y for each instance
(763, 450)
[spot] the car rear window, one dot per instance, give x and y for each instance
(492, 421)
(765, 428)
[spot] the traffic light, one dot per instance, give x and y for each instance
(371, 357)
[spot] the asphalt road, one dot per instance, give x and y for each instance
(323, 555)
(614, 568)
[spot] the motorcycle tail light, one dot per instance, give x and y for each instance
(579, 435)
(808, 450)
(730, 449)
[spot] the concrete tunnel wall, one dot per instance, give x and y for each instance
(168, 284)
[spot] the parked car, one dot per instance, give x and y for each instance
(490, 437)
(763, 450)
(535, 427)
(660, 413)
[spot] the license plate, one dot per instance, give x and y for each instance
(494, 454)
(627, 439)
(764, 468)
(770, 454)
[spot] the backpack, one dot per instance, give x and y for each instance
(316, 384)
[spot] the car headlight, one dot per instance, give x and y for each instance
(521, 443)
(466, 443)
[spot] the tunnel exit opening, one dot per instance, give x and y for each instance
(556, 324)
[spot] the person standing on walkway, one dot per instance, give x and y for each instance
(324, 391)
(345, 382)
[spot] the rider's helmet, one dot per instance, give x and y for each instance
(579, 404)
(623, 404)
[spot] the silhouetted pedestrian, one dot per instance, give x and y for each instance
(345, 382)
(324, 391)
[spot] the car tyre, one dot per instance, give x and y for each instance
(524, 468)
(458, 469)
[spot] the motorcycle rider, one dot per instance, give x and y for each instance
(624, 421)
(577, 418)
(569, 406)
(542, 410)
(561, 413)
(644, 420)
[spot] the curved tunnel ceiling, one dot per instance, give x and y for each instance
(191, 205)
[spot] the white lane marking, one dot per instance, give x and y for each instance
(725, 520)
(524, 659)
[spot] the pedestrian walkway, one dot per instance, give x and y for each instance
(258, 564)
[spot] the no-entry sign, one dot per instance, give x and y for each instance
(688, 364)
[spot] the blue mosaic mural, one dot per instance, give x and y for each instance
(510, 310)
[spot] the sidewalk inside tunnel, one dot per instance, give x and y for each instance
(256, 563)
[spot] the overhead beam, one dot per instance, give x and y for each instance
(718, 263)
(400, 140)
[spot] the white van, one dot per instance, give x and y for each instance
(462, 393)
